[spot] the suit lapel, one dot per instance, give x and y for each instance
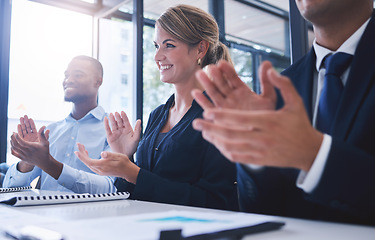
(360, 79)
(302, 76)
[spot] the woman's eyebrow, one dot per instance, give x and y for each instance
(166, 40)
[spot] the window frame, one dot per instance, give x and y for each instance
(5, 19)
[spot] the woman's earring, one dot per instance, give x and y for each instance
(199, 61)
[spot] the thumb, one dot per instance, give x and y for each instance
(137, 129)
(42, 136)
(107, 128)
(112, 155)
(267, 89)
(288, 92)
(46, 133)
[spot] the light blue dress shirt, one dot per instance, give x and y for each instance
(75, 176)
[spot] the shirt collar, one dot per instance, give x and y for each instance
(348, 46)
(97, 113)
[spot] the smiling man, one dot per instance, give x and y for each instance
(49, 152)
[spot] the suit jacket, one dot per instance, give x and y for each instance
(346, 191)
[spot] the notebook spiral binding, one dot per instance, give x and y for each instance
(14, 189)
(64, 198)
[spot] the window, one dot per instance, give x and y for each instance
(124, 102)
(124, 79)
(115, 51)
(281, 4)
(255, 35)
(124, 59)
(43, 41)
(89, 1)
(244, 65)
(258, 28)
(154, 8)
(125, 34)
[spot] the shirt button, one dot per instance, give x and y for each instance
(72, 138)
(67, 154)
(156, 149)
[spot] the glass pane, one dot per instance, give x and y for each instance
(89, 1)
(127, 7)
(115, 53)
(43, 41)
(154, 8)
(154, 91)
(244, 65)
(255, 26)
(282, 4)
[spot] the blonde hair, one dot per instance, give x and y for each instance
(191, 25)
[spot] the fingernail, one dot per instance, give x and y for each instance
(209, 115)
(104, 154)
(197, 125)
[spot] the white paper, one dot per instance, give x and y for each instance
(148, 226)
(12, 219)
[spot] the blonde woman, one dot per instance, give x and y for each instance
(174, 163)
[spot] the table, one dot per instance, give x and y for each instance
(97, 219)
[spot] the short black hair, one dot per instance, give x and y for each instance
(98, 66)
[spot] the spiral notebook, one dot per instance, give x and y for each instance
(14, 189)
(62, 198)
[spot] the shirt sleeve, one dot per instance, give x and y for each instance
(307, 181)
(80, 181)
(83, 182)
(15, 178)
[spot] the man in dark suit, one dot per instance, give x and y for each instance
(290, 166)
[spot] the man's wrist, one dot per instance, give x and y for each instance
(314, 147)
(24, 167)
(309, 180)
(52, 167)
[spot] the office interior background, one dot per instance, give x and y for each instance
(38, 38)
